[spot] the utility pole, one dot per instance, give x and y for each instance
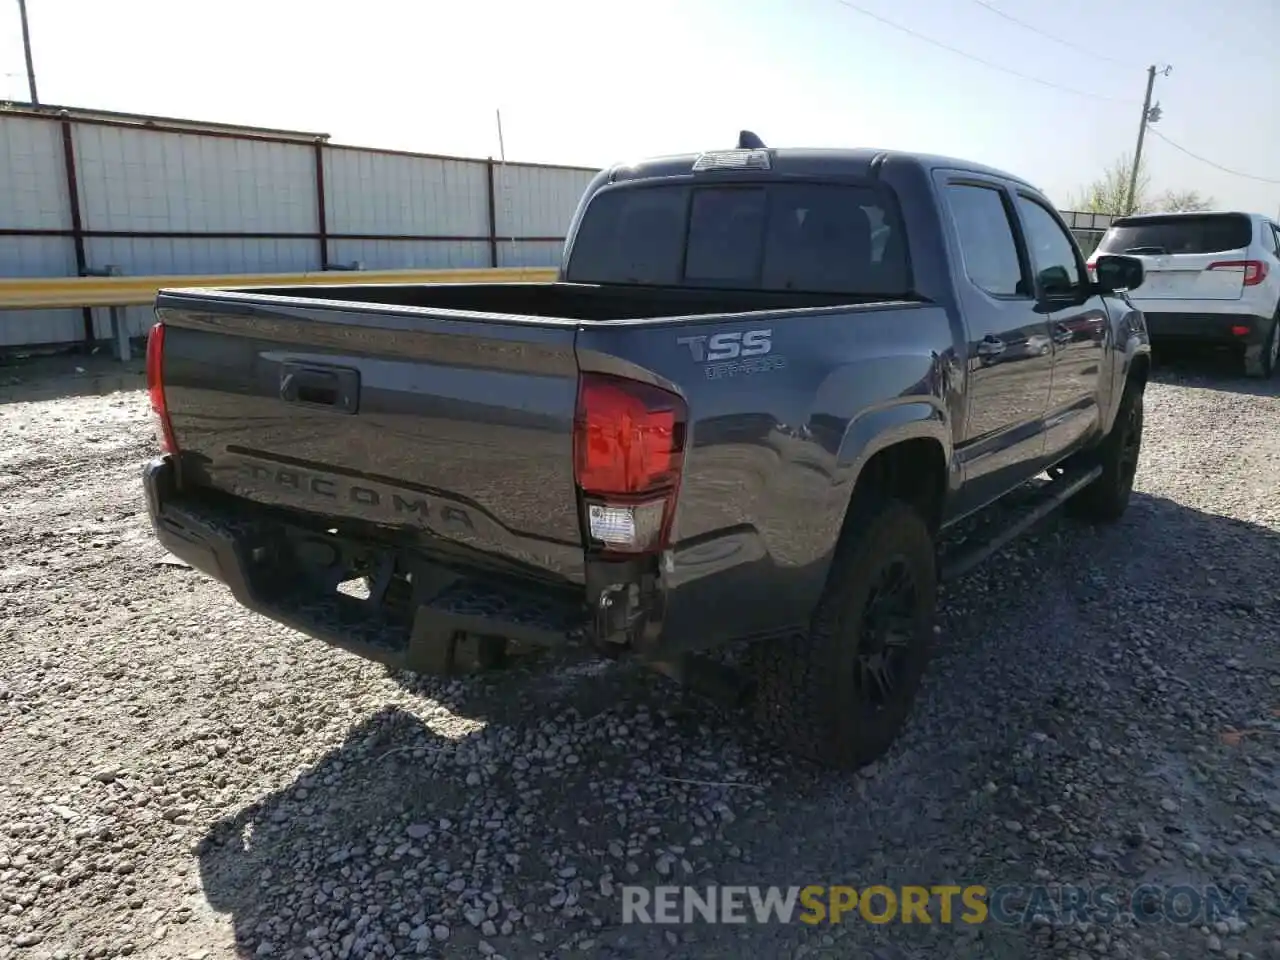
(506, 193)
(1150, 114)
(26, 48)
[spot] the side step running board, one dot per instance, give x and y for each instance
(1056, 493)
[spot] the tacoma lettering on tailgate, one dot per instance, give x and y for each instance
(376, 500)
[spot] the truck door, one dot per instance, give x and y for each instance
(1010, 345)
(1079, 327)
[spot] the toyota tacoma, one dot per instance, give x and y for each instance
(763, 388)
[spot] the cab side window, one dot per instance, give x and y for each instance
(1053, 253)
(987, 246)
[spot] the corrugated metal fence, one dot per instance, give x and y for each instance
(1088, 228)
(85, 191)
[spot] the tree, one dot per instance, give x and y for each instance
(1109, 194)
(1183, 201)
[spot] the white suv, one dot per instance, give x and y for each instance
(1212, 278)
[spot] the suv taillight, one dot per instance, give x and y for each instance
(1255, 271)
(628, 453)
(155, 388)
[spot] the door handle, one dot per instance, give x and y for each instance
(307, 386)
(335, 388)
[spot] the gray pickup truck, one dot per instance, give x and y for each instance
(765, 385)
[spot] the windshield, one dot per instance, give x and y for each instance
(1213, 233)
(811, 238)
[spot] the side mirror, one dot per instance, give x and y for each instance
(1116, 273)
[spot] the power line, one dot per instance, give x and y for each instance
(1091, 53)
(1204, 160)
(1047, 83)
(969, 56)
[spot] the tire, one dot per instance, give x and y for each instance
(1106, 499)
(1269, 360)
(816, 694)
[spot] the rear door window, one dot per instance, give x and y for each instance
(1181, 234)
(987, 245)
(831, 239)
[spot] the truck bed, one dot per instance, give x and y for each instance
(564, 301)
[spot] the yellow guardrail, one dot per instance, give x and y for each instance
(42, 293)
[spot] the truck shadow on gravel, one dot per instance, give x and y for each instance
(1210, 369)
(1067, 733)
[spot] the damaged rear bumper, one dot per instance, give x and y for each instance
(416, 615)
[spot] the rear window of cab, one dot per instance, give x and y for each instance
(811, 238)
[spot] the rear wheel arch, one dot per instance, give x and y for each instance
(814, 691)
(913, 470)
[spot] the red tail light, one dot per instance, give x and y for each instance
(628, 453)
(155, 388)
(1255, 271)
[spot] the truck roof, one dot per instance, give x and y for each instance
(809, 161)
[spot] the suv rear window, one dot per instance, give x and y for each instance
(1212, 233)
(809, 238)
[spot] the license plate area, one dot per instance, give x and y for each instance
(364, 579)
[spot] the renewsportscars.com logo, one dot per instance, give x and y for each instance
(1013, 904)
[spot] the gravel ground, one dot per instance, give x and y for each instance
(180, 778)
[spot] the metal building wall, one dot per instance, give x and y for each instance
(534, 202)
(34, 198)
(383, 207)
(202, 191)
(133, 179)
(158, 196)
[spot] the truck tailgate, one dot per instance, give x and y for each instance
(446, 426)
